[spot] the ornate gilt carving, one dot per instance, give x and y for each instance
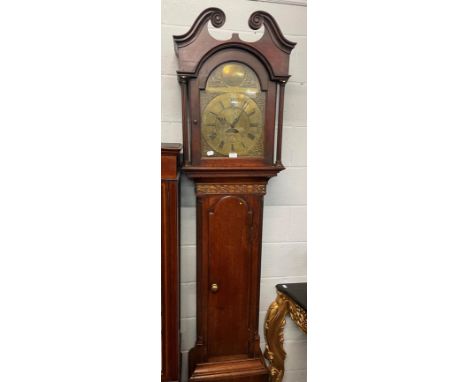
(298, 315)
(217, 188)
(274, 327)
(274, 332)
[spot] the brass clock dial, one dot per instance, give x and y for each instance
(232, 123)
(232, 113)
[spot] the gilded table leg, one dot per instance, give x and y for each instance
(274, 326)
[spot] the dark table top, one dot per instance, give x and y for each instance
(296, 292)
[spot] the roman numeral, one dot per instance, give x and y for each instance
(251, 136)
(221, 144)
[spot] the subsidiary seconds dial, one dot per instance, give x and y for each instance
(232, 123)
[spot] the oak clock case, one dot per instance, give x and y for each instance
(232, 109)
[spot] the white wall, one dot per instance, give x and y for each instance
(284, 231)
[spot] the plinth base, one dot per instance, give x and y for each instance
(246, 370)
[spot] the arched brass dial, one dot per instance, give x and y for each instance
(232, 123)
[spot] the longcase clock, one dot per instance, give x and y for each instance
(232, 115)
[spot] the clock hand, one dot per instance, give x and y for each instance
(239, 115)
(234, 123)
(236, 120)
(232, 129)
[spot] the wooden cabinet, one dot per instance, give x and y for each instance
(170, 262)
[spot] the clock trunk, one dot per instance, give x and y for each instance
(229, 225)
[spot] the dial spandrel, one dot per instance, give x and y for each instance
(232, 107)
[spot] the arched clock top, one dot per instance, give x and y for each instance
(195, 46)
(232, 97)
(221, 57)
(244, 54)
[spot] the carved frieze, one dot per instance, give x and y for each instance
(230, 188)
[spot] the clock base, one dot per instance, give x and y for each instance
(245, 370)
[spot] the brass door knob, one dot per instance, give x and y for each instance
(214, 288)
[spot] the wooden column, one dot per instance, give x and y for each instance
(279, 137)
